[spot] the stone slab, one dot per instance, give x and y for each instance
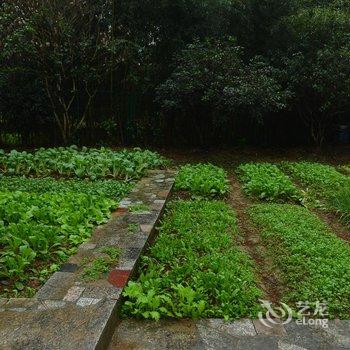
(217, 334)
(272, 328)
(238, 328)
(57, 286)
(68, 327)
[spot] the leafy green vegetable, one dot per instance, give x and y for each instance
(314, 262)
(37, 230)
(84, 163)
(194, 269)
(204, 180)
(266, 181)
(106, 188)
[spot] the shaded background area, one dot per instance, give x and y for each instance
(215, 73)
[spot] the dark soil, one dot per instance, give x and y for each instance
(267, 274)
(229, 158)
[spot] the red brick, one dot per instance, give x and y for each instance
(119, 278)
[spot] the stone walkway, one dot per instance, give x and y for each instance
(213, 334)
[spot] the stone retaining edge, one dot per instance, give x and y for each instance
(68, 313)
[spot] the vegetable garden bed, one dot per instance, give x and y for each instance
(315, 263)
(194, 269)
(197, 267)
(266, 181)
(44, 220)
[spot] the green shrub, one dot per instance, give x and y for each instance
(205, 180)
(266, 181)
(315, 264)
(194, 269)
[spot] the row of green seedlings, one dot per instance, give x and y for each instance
(324, 186)
(43, 224)
(323, 182)
(81, 163)
(314, 263)
(195, 268)
(267, 182)
(113, 189)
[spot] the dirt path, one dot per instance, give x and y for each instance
(266, 273)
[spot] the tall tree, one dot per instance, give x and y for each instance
(69, 46)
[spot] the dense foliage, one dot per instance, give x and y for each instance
(50, 204)
(194, 269)
(82, 163)
(266, 181)
(204, 180)
(213, 83)
(315, 264)
(39, 231)
(174, 71)
(67, 46)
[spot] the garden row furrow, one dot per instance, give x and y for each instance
(266, 272)
(308, 250)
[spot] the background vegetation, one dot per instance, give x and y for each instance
(173, 72)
